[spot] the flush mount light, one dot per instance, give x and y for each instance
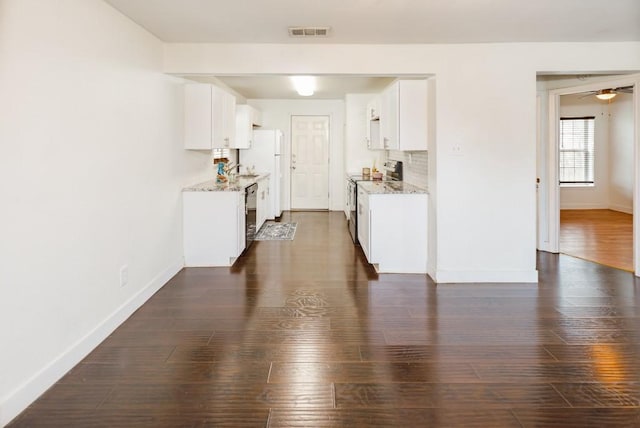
(305, 85)
(605, 94)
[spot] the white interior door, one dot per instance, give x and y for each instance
(310, 162)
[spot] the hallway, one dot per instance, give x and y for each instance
(304, 333)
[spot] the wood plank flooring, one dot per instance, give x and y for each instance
(304, 333)
(601, 236)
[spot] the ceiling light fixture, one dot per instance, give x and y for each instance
(305, 85)
(605, 94)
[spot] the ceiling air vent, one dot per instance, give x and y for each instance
(309, 31)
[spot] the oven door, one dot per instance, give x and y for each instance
(353, 206)
(251, 204)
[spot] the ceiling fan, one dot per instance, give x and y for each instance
(607, 94)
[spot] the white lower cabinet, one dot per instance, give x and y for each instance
(214, 227)
(392, 230)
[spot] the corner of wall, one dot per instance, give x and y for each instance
(17, 401)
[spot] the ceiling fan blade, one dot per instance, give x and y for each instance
(625, 89)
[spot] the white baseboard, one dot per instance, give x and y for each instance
(584, 206)
(444, 277)
(621, 208)
(18, 400)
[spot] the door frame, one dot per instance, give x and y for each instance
(328, 116)
(552, 187)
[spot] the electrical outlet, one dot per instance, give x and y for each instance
(124, 275)
(456, 150)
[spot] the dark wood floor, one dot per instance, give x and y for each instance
(303, 333)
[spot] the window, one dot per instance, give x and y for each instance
(576, 151)
(221, 153)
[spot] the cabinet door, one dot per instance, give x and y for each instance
(412, 111)
(197, 116)
(223, 118)
(398, 232)
(207, 242)
(363, 214)
(244, 127)
(229, 118)
(374, 140)
(389, 117)
(263, 203)
(256, 116)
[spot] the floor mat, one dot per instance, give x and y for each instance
(272, 231)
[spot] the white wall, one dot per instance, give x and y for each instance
(485, 195)
(276, 114)
(621, 153)
(91, 168)
(596, 196)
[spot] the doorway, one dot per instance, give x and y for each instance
(550, 201)
(596, 178)
(309, 162)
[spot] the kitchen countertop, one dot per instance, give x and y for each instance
(390, 188)
(211, 186)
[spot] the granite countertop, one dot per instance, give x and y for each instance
(390, 188)
(238, 186)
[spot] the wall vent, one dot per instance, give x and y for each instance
(309, 31)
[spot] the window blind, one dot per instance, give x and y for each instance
(577, 141)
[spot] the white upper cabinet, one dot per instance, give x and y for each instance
(246, 118)
(374, 141)
(209, 117)
(404, 115)
(389, 117)
(224, 119)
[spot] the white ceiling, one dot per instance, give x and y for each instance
(388, 21)
(378, 22)
(281, 87)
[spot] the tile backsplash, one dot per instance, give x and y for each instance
(414, 166)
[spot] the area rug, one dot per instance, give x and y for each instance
(272, 231)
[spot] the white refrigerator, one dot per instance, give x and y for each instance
(265, 155)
